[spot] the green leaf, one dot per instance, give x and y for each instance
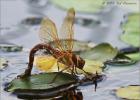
(132, 22)
(101, 52)
(131, 38)
(134, 17)
(41, 82)
(131, 26)
(121, 60)
(134, 56)
(131, 29)
(89, 6)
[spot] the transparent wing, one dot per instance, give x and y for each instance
(66, 30)
(48, 32)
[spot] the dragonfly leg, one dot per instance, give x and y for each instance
(92, 78)
(58, 60)
(75, 70)
(58, 65)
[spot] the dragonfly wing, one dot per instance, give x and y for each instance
(48, 32)
(66, 30)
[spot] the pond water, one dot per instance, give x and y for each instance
(117, 76)
(17, 10)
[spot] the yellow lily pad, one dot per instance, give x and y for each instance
(93, 66)
(45, 62)
(48, 63)
(131, 92)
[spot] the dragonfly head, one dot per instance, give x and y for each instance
(78, 61)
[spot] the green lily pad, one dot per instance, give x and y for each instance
(101, 52)
(134, 56)
(131, 29)
(131, 38)
(131, 26)
(121, 60)
(41, 82)
(132, 22)
(134, 16)
(88, 6)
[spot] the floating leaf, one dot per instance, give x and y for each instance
(49, 64)
(121, 60)
(131, 29)
(132, 22)
(41, 82)
(131, 52)
(134, 56)
(131, 92)
(88, 6)
(101, 52)
(41, 86)
(131, 38)
(45, 62)
(92, 66)
(133, 17)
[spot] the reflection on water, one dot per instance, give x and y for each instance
(71, 94)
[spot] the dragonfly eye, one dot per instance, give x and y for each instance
(81, 62)
(78, 61)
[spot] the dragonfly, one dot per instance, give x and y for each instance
(62, 51)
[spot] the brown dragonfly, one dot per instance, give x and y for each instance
(61, 51)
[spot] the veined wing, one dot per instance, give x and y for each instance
(48, 32)
(66, 30)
